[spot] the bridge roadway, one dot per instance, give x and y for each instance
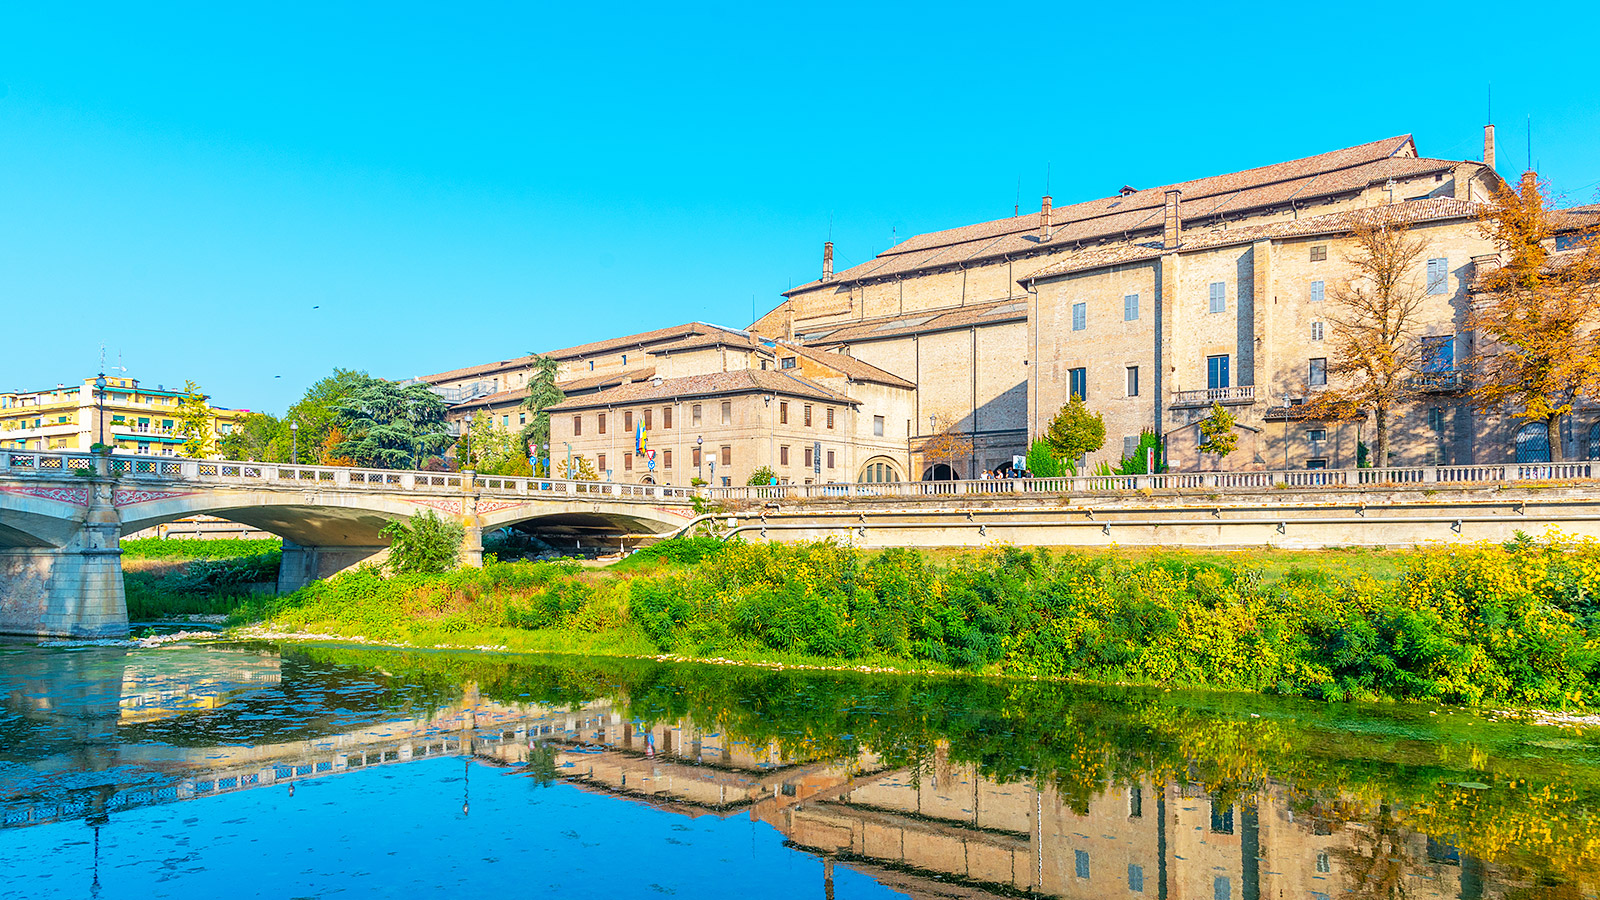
(62, 516)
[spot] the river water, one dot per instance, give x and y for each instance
(234, 770)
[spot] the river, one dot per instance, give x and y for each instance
(252, 770)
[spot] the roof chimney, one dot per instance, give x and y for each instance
(1044, 218)
(1173, 223)
(1488, 146)
(827, 261)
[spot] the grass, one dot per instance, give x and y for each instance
(189, 548)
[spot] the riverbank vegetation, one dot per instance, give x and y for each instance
(184, 577)
(1513, 624)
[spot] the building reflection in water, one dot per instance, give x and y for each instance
(936, 829)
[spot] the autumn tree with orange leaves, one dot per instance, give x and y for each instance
(1374, 316)
(1539, 350)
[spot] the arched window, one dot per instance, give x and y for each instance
(1594, 441)
(879, 470)
(1533, 443)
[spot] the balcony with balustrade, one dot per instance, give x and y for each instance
(1243, 395)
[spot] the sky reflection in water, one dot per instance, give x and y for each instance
(229, 770)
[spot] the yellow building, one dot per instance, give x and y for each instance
(131, 419)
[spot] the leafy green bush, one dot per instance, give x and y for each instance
(427, 545)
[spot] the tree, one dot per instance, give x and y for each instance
(762, 476)
(542, 394)
(492, 451)
(1541, 352)
(427, 545)
(390, 425)
(581, 469)
(947, 445)
(1217, 436)
(195, 423)
(1075, 431)
(1373, 336)
(254, 437)
(1042, 461)
(1148, 444)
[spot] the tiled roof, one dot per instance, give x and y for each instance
(1121, 217)
(1408, 213)
(744, 381)
(570, 387)
(849, 366)
(642, 339)
(921, 322)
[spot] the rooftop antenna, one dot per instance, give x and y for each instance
(1016, 210)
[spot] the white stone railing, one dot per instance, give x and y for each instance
(213, 471)
(1242, 394)
(1294, 478)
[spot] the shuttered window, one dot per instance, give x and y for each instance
(1130, 308)
(1317, 288)
(1080, 316)
(1438, 276)
(1219, 297)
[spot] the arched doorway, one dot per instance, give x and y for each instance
(1533, 443)
(939, 472)
(879, 470)
(648, 479)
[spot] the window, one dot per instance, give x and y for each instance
(1324, 864)
(1133, 381)
(577, 425)
(666, 459)
(830, 459)
(666, 417)
(647, 419)
(1221, 818)
(1319, 253)
(627, 462)
(1318, 291)
(1316, 331)
(1438, 276)
(808, 416)
(807, 457)
(1436, 419)
(601, 463)
(1318, 463)
(727, 455)
(830, 417)
(877, 426)
(694, 457)
(1317, 434)
(1078, 383)
(1216, 372)
(1130, 308)
(1129, 444)
(624, 359)
(783, 412)
(1219, 297)
(1317, 373)
(1080, 316)
(1438, 354)
(600, 423)
(1135, 878)
(783, 455)
(505, 421)
(522, 418)
(627, 420)
(1080, 863)
(1136, 803)
(1221, 889)
(788, 362)
(727, 412)
(591, 365)
(694, 414)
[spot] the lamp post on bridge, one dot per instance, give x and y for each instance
(699, 457)
(99, 411)
(294, 442)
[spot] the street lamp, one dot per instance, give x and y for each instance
(294, 443)
(569, 460)
(99, 411)
(699, 457)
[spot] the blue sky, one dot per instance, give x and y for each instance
(231, 194)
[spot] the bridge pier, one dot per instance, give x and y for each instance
(472, 547)
(75, 590)
(303, 565)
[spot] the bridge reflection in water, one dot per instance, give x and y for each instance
(107, 734)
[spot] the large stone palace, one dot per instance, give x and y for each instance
(1151, 304)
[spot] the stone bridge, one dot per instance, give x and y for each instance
(62, 516)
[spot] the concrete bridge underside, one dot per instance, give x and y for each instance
(60, 558)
